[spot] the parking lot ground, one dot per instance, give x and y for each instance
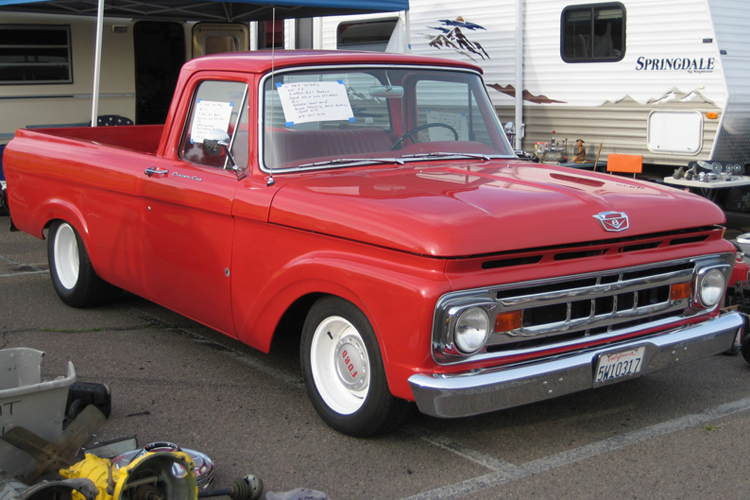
(679, 433)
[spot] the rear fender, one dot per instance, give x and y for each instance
(57, 209)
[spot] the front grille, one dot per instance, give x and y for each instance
(570, 312)
(593, 304)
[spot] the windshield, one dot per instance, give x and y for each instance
(329, 118)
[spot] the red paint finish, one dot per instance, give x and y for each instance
(237, 254)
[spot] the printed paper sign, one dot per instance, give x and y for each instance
(210, 115)
(456, 120)
(305, 102)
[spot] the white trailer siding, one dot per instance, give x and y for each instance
(610, 102)
(686, 56)
(731, 19)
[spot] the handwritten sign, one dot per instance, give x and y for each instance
(305, 102)
(210, 115)
(456, 120)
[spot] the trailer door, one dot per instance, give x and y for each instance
(159, 49)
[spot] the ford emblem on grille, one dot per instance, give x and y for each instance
(613, 221)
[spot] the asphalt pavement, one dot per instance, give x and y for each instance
(679, 433)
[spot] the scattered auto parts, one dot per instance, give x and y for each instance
(27, 400)
(15, 489)
(51, 456)
(249, 487)
(158, 475)
(204, 466)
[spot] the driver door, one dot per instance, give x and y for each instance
(188, 228)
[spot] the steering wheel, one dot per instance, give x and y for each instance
(397, 144)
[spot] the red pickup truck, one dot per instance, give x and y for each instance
(372, 204)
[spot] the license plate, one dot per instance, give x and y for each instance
(619, 364)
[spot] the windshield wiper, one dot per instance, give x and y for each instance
(351, 162)
(443, 154)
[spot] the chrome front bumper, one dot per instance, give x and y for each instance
(484, 391)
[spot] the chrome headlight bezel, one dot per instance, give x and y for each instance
(471, 330)
(449, 317)
(709, 286)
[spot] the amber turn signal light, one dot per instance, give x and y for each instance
(506, 322)
(680, 291)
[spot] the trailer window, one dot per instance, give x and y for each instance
(35, 54)
(366, 35)
(593, 33)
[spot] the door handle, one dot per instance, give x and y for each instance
(159, 172)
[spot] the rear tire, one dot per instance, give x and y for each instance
(73, 277)
(343, 371)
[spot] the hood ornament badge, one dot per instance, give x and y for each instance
(613, 221)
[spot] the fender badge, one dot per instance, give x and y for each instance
(613, 221)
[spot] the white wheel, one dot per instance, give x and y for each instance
(343, 371)
(67, 260)
(340, 365)
(73, 277)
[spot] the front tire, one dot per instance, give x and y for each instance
(343, 371)
(73, 277)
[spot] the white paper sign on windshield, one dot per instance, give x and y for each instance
(304, 102)
(458, 121)
(210, 115)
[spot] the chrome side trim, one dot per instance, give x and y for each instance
(476, 392)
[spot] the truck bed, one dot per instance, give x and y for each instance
(140, 138)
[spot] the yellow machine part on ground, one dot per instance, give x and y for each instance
(166, 475)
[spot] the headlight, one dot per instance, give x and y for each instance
(471, 330)
(711, 287)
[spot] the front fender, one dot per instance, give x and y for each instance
(396, 291)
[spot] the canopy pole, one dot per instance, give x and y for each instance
(407, 27)
(97, 63)
(520, 125)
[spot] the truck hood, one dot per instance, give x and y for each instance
(454, 209)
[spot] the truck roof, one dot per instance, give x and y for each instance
(262, 61)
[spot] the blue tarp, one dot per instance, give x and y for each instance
(207, 10)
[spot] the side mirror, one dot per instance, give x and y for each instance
(510, 128)
(216, 142)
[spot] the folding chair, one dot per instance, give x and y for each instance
(631, 164)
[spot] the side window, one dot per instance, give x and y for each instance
(217, 105)
(593, 33)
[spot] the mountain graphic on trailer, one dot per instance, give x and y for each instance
(672, 98)
(451, 36)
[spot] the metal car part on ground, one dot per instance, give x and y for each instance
(166, 475)
(204, 466)
(51, 456)
(14, 489)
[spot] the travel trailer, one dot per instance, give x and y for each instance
(49, 82)
(666, 80)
